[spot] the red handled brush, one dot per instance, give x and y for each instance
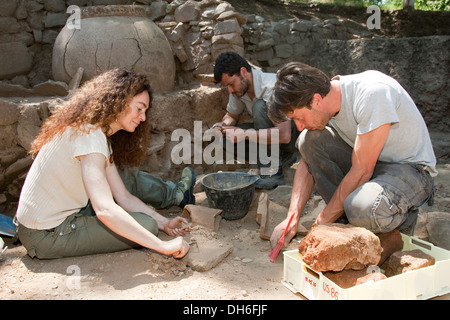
(274, 253)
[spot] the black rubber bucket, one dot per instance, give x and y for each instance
(232, 192)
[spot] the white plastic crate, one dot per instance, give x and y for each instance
(424, 283)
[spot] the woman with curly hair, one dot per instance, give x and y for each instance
(81, 195)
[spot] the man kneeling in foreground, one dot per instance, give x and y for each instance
(366, 148)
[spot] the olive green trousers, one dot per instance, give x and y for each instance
(83, 233)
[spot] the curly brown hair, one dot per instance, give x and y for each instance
(99, 102)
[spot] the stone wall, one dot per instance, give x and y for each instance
(272, 44)
(199, 30)
(196, 30)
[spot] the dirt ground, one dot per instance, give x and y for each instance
(246, 273)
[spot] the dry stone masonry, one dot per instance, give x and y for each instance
(198, 32)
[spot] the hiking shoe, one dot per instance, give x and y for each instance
(270, 182)
(185, 187)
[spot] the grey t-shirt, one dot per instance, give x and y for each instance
(371, 99)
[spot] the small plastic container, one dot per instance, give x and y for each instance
(420, 284)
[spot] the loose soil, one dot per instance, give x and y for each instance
(246, 272)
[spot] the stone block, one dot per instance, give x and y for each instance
(336, 247)
(405, 261)
(188, 11)
(203, 216)
(301, 26)
(207, 252)
(9, 25)
(228, 38)
(390, 242)
(242, 19)
(284, 50)
(438, 227)
(227, 26)
(29, 125)
(350, 278)
(8, 7)
(15, 60)
(51, 88)
(55, 5)
(55, 20)
(158, 9)
(9, 112)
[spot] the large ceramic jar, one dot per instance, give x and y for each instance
(114, 36)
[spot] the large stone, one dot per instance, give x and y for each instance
(18, 167)
(29, 125)
(204, 216)
(9, 112)
(405, 261)
(227, 26)
(242, 19)
(207, 251)
(438, 227)
(8, 137)
(8, 7)
(51, 88)
(335, 247)
(15, 60)
(205, 103)
(228, 38)
(390, 242)
(350, 278)
(188, 11)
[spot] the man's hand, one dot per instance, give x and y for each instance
(279, 230)
(234, 134)
(218, 125)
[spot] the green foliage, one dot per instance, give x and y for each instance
(425, 5)
(432, 5)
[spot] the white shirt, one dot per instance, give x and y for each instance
(263, 84)
(54, 187)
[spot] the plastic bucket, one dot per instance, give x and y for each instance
(232, 192)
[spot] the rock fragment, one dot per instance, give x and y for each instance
(335, 247)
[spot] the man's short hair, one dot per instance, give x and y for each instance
(295, 87)
(229, 62)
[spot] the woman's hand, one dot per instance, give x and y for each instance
(176, 247)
